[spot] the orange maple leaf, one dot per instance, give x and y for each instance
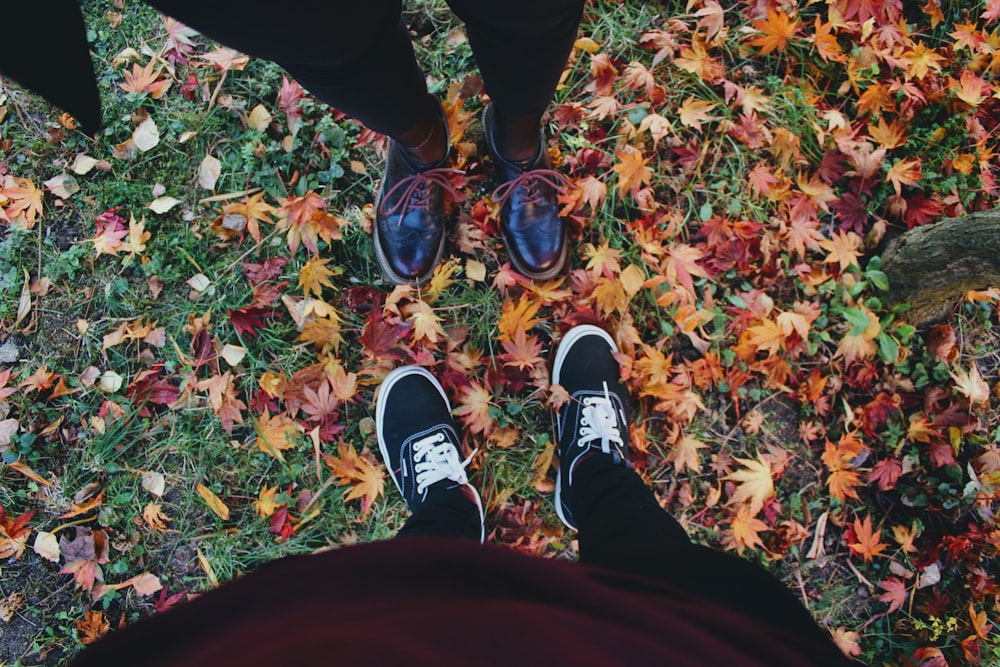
(426, 324)
(222, 397)
(366, 479)
(921, 61)
(474, 408)
(755, 483)
(273, 433)
(743, 531)
(696, 59)
(904, 172)
(315, 275)
(517, 315)
(684, 454)
(867, 542)
(767, 336)
(841, 460)
(826, 43)
(523, 351)
(23, 201)
(843, 248)
(775, 30)
(888, 136)
(631, 169)
(145, 80)
(92, 627)
(693, 112)
(587, 191)
(298, 216)
(250, 212)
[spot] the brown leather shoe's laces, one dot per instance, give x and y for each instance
(414, 191)
(529, 181)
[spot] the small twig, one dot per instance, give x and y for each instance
(230, 195)
(329, 480)
(861, 577)
(254, 248)
(215, 93)
(802, 588)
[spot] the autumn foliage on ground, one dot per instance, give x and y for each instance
(186, 383)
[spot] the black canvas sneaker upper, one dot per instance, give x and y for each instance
(418, 439)
(594, 422)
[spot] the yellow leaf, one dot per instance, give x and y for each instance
(315, 275)
(971, 385)
(154, 517)
(426, 323)
(632, 280)
(137, 236)
(475, 270)
(694, 112)
(273, 432)
(366, 479)
(755, 483)
(218, 507)
(265, 503)
(684, 454)
(517, 315)
(259, 118)
(631, 169)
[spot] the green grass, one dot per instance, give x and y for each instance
(107, 438)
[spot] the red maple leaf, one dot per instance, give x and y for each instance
(921, 210)
(249, 319)
(851, 211)
(149, 386)
(281, 524)
(269, 269)
(885, 473)
(383, 340)
(164, 601)
(895, 593)
(289, 96)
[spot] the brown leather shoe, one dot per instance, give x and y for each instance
(410, 216)
(535, 236)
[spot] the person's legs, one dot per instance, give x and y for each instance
(621, 525)
(521, 47)
(356, 57)
(420, 447)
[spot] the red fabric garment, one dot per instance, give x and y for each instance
(432, 601)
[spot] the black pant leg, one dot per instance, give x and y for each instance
(354, 56)
(449, 513)
(624, 529)
(521, 47)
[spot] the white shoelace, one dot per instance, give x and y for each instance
(435, 459)
(600, 422)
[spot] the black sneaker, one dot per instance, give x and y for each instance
(594, 422)
(419, 443)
